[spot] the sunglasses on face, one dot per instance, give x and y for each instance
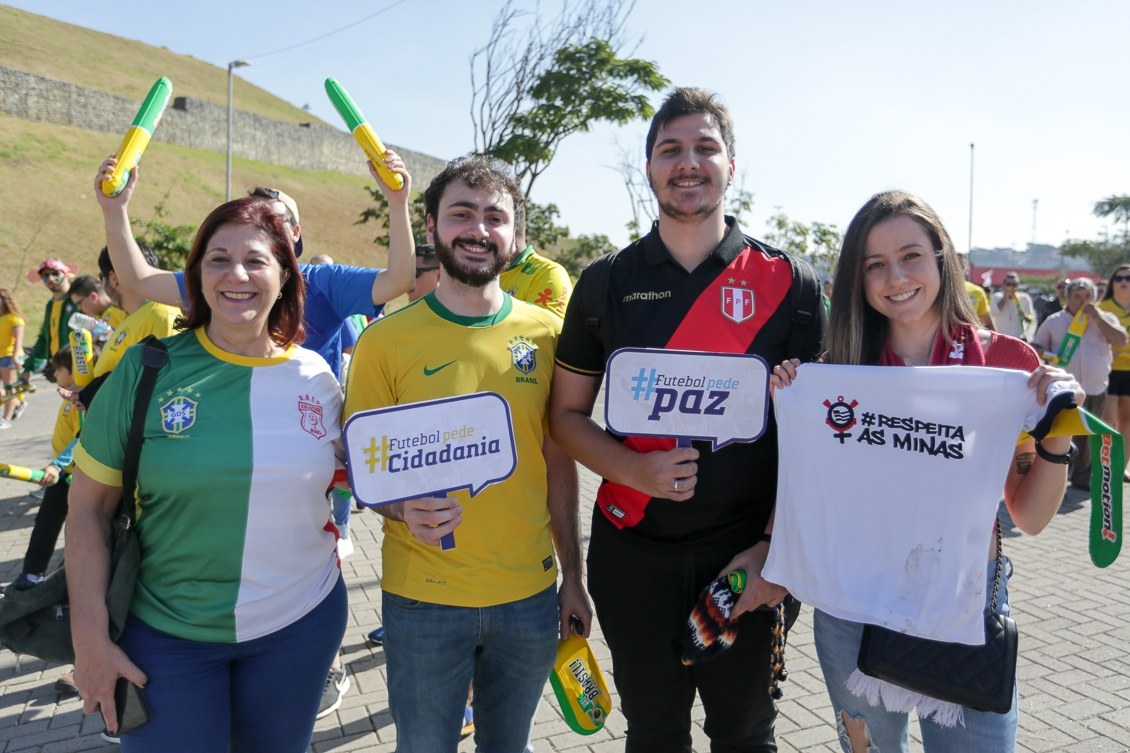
(50, 275)
(1120, 278)
(424, 270)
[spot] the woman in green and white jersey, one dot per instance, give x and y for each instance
(239, 608)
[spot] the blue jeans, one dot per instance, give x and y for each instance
(343, 509)
(837, 645)
(258, 696)
(435, 651)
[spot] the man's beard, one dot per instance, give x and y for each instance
(477, 277)
(670, 209)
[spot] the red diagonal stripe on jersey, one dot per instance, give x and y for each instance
(705, 327)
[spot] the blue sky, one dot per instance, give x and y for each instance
(832, 101)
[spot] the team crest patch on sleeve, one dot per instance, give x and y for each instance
(737, 303)
(311, 413)
(524, 354)
(178, 414)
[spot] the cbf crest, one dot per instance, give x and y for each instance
(311, 413)
(524, 354)
(178, 414)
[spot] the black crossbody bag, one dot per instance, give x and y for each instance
(980, 677)
(37, 621)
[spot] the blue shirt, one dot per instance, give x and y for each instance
(334, 292)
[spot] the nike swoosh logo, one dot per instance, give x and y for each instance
(437, 369)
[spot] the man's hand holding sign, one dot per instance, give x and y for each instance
(716, 397)
(413, 454)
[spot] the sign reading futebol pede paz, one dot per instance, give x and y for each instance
(430, 448)
(720, 397)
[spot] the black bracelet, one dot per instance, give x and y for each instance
(766, 537)
(1063, 459)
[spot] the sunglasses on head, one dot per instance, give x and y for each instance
(422, 270)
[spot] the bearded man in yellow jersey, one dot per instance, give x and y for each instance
(489, 611)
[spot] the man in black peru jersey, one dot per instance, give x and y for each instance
(668, 520)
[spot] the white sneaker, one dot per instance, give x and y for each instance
(5, 424)
(20, 408)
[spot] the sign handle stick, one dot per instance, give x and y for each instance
(682, 442)
(447, 543)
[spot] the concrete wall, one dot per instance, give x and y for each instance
(198, 124)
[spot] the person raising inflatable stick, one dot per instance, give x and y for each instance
(899, 300)
(249, 421)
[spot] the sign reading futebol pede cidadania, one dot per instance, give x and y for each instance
(430, 448)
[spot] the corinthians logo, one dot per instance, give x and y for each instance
(841, 417)
(908, 433)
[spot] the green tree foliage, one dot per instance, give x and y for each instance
(417, 215)
(817, 242)
(1107, 252)
(171, 243)
(535, 86)
(1115, 207)
(1102, 255)
(542, 229)
(579, 251)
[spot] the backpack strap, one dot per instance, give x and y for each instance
(807, 307)
(594, 298)
(153, 358)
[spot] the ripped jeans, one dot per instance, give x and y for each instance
(837, 645)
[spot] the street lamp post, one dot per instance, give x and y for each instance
(231, 66)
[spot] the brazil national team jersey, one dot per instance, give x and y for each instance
(535, 279)
(503, 550)
(232, 513)
(151, 318)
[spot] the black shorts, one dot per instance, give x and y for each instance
(1119, 383)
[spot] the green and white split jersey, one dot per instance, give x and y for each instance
(234, 525)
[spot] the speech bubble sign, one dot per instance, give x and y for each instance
(430, 448)
(720, 397)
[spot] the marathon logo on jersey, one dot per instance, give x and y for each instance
(524, 355)
(722, 397)
(737, 304)
(647, 295)
(310, 413)
(908, 433)
(429, 448)
(179, 414)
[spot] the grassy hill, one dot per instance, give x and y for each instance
(58, 50)
(49, 209)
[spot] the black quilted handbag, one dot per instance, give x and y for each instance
(980, 677)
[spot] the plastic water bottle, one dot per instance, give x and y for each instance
(99, 330)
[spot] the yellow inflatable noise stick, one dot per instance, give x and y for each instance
(82, 356)
(19, 473)
(579, 685)
(363, 132)
(138, 135)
